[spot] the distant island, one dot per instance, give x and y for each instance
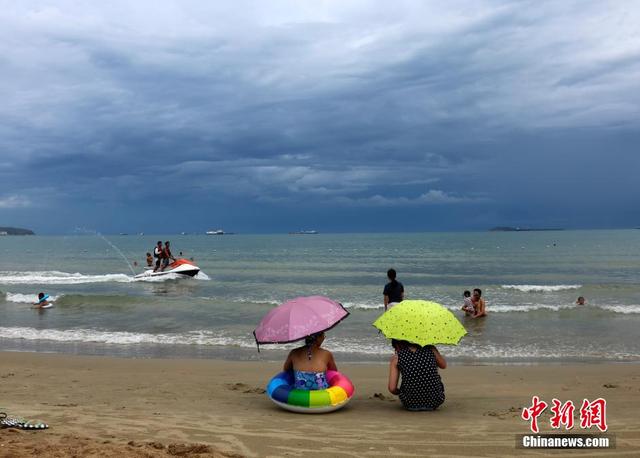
(15, 231)
(523, 229)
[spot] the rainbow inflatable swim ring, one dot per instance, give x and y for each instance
(282, 392)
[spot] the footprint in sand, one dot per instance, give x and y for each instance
(381, 397)
(610, 385)
(503, 414)
(244, 388)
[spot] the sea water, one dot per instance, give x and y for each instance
(530, 281)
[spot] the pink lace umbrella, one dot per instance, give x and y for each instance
(299, 318)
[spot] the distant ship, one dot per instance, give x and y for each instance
(304, 233)
(524, 229)
(216, 232)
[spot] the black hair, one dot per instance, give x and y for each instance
(40, 295)
(478, 290)
(391, 273)
(466, 293)
(166, 243)
(399, 344)
(159, 242)
(310, 340)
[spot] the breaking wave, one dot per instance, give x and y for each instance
(27, 298)
(626, 309)
(541, 288)
(58, 278)
(378, 347)
(124, 338)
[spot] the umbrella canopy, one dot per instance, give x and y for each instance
(422, 323)
(299, 318)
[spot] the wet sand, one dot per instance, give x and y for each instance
(100, 406)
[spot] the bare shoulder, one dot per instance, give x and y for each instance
(295, 353)
(326, 353)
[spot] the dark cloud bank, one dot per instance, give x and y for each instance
(277, 116)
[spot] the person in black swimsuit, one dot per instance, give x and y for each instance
(393, 291)
(421, 387)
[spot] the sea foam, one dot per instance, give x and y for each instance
(26, 298)
(58, 278)
(200, 337)
(541, 288)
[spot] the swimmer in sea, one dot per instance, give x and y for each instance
(478, 303)
(581, 300)
(42, 301)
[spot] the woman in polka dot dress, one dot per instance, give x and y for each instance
(421, 387)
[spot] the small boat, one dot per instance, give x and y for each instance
(179, 266)
(216, 232)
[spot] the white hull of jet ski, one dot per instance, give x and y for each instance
(179, 266)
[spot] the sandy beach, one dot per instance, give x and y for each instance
(101, 406)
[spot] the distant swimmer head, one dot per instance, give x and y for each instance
(467, 293)
(477, 292)
(42, 297)
(580, 300)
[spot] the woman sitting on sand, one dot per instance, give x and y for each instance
(421, 387)
(310, 364)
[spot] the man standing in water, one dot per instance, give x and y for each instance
(393, 291)
(478, 303)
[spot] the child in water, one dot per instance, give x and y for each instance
(468, 308)
(310, 364)
(42, 301)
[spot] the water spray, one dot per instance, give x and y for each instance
(133, 272)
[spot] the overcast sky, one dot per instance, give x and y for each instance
(270, 116)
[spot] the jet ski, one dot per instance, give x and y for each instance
(179, 266)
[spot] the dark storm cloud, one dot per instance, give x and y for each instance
(277, 108)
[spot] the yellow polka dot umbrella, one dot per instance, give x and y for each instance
(422, 323)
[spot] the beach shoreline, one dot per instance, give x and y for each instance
(276, 353)
(141, 407)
